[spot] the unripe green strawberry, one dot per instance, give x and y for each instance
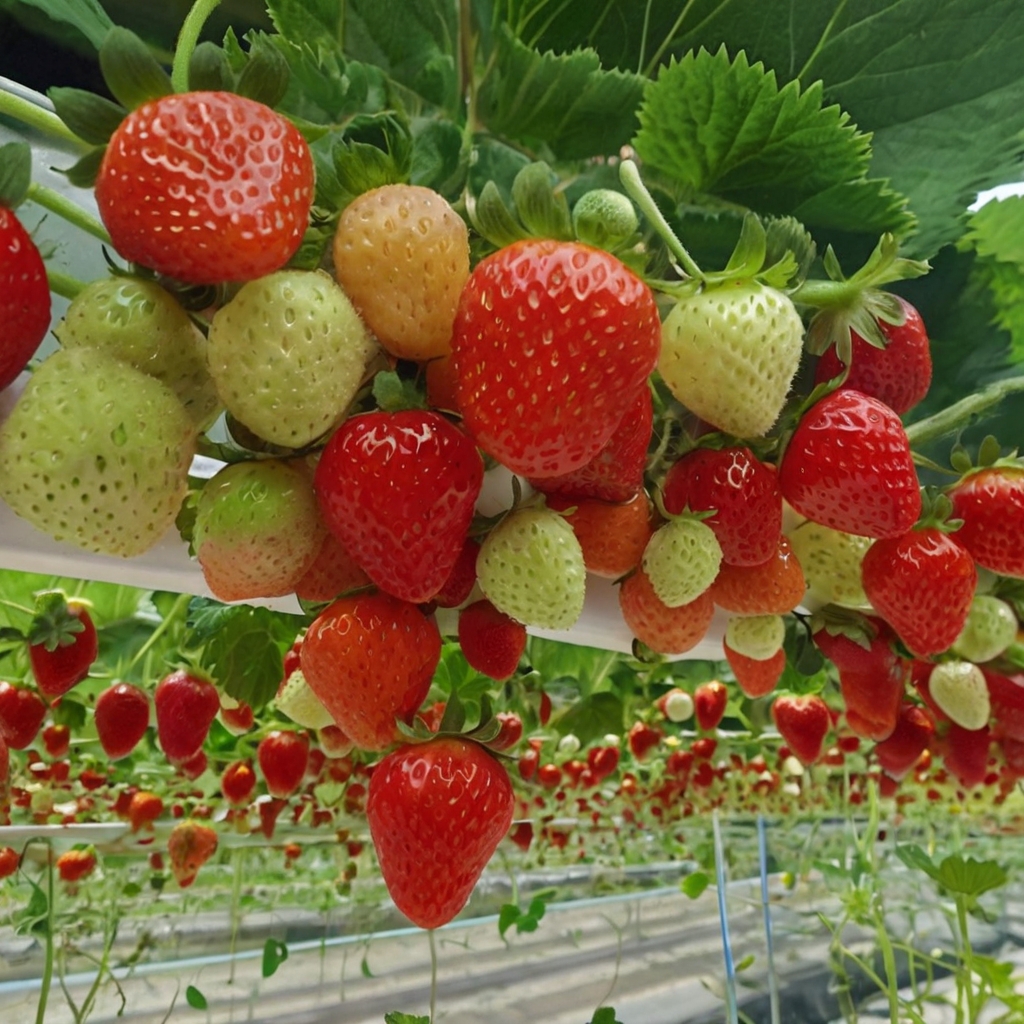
(142, 324)
(730, 353)
(257, 529)
(831, 562)
(531, 568)
(296, 700)
(288, 354)
(681, 560)
(960, 692)
(990, 628)
(96, 454)
(756, 636)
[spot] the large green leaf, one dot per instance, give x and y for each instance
(997, 230)
(414, 41)
(317, 23)
(593, 717)
(717, 126)
(565, 101)
(87, 16)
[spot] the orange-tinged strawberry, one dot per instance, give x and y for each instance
(756, 678)
(664, 630)
(772, 588)
(333, 572)
(370, 659)
(189, 846)
(612, 536)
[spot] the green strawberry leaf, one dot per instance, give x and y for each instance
(195, 998)
(592, 717)
(605, 1015)
(416, 44)
(564, 102)
(694, 884)
(15, 173)
(394, 1017)
(970, 877)
(507, 916)
(916, 859)
(87, 16)
(275, 953)
(997, 230)
(317, 22)
(439, 156)
(209, 69)
(241, 646)
(266, 74)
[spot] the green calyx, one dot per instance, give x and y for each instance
(539, 209)
(936, 512)
(989, 456)
(453, 723)
(54, 625)
(856, 303)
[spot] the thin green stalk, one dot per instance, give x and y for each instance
(68, 210)
(965, 976)
(180, 603)
(961, 414)
(629, 174)
(47, 978)
(433, 975)
(187, 40)
(62, 284)
(38, 117)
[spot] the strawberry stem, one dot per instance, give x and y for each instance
(631, 181)
(67, 210)
(64, 285)
(38, 117)
(187, 40)
(433, 975)
(961, 414)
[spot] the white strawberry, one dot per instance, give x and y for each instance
(682, 559)
(730, 352)
(831, 562)
(296, 700)
(288, 354)
(531, 568)
(96, 453)
(990, 628)
(960, 691)
(142, 324)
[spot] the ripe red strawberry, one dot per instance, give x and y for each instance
(144, 809)
(664, 630)
(62, 644)
(461, 579)
(399, 490)
(709, 702)
(616, 473)
(612, 536)
(283, 757)
(122, 717)
(492, 642)
(238, 782)
(57, 740)
(553, 341)
(898, 374)
(21, 714)
(9, 861)
(24, 297)
(848, 466)
(333, 573)
(914, 731)
(771, 588)
(1006, 696)
(965, 754)
(803, 722)
(402, 255)
(921, 583)
(643, 738)
(437, 812)
(206, 187)
(238, 720)
(186, 706)
(510, 733)
(991, 504)
(756, 678)
(189, 846)
(744, 494)
(74, 865)
(370, 659)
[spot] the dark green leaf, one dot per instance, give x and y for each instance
(747, 962)
(241, 646)
(131, 889)
(8, 634)
(592, 717)
(69, 712)
(265, 77)
(566, 102)
(404, 1018)
(87, 16)
(605, 1015)
(694, 884)
(414, 41)
(916, 858)
(438, 159)
(91, 117)
(364, 966)
(316, 22)
(15, 173)
(131, 72)
(507, 916)
(274, 954)
(997, 230)
(34, 919)
(195, 998)
(969, 877)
